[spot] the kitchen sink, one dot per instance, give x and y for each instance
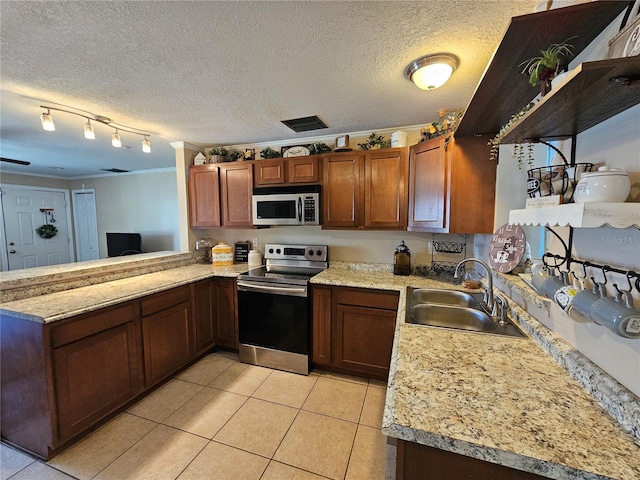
(445, 297)
(462, 318)
(454, 309)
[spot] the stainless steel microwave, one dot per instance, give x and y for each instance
(297, 205)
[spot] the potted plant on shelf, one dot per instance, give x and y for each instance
(236, 156)
(543, 68)
(218, 154)
(375, 142)
(269, 153)
(318, 148)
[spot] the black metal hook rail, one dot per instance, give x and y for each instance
(560, 260)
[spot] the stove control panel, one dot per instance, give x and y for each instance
(296, 252)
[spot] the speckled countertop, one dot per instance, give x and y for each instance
(68, 303)
(499, 399)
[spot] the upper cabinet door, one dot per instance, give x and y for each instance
(204, 196)
(304, 169)
(428, 186)
(386, 185)
(269, 172)
(342, 190)
(236, 188)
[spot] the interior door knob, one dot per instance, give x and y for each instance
(12, 251)
(11, 244)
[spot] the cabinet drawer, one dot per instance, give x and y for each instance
(90, 324)
(164, 300)
(383, 299)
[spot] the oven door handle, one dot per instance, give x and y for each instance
(298, 291)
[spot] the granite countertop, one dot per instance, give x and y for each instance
(68, 303)
(500, 399)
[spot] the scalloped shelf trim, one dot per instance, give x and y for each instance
(580, 215)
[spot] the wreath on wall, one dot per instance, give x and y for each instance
(47, 231)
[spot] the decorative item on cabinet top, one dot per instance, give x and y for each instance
(294, 151)
(375, 142)
(200, 159)
(269, 153)
(218, 155)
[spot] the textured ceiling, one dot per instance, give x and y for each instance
(226, 72)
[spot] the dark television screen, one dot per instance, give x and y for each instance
(119, 244)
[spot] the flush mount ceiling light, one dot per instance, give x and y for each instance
(89, 132)
(431, 71)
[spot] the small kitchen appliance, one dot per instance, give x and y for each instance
(274, 317)
(295, 205)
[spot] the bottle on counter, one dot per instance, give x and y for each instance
(402, 260)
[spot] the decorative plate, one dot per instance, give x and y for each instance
(507, 247)
(299, 151)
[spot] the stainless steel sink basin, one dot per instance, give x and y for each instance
(444, 297)
(462, 318)
(454, 309)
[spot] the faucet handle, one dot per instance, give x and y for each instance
(500, 306)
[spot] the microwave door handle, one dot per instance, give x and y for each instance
(300, 210)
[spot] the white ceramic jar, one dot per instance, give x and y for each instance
(607, 185)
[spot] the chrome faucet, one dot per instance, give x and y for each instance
(488, 292)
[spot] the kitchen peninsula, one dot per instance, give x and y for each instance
(502, 401)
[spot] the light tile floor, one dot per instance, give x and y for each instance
(221, 419)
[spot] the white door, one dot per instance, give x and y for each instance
(86, 225)
(26, 209)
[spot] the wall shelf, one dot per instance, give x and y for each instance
(503, 91)
(584, 98)
(580, 215)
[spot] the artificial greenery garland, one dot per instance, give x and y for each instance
(47, 231)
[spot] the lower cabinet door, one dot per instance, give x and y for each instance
(95, 375)
(166, 339)
(204, 298)
(224, 313)
(364, 339)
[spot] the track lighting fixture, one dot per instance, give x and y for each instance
(89, 132)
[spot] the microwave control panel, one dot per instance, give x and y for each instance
(310, 210)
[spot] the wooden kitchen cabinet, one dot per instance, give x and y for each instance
(236, 189)
(353, 330)
(166, 333)
(283, 171)
(269, 172)
(204, 196)
(420, 462)
(225, 318)
(96, 366)
(215, 314)
(342, 190)
(365, 190)
(451, 186)
(321, 325)
(304, 169)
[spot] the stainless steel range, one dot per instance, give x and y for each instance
(274, 308)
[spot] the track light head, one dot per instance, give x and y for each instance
(47, 121)
(89, 132)
(115, 140)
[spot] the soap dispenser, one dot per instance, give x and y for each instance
(402, 260)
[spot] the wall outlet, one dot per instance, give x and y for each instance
(256, 243)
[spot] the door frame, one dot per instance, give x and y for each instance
(76, 237)
(5, 254)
